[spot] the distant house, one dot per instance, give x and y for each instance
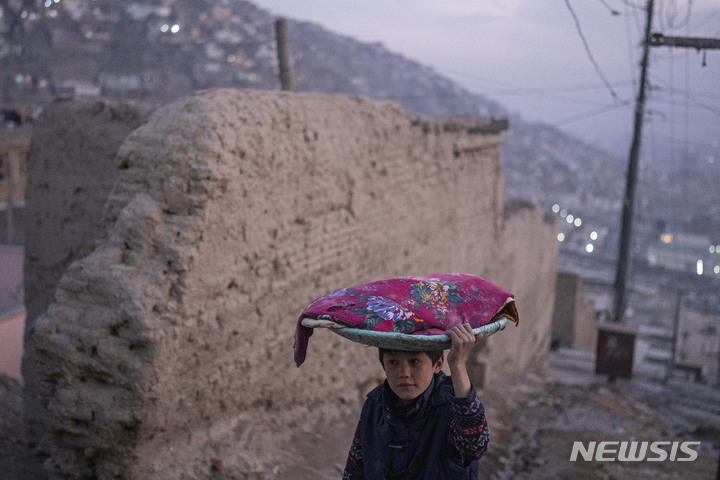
(684, 252)
(75, 88)
(698, 343)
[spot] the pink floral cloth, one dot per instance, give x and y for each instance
(420, 305)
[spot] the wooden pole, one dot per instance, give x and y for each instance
(631, 180)
(283, 52)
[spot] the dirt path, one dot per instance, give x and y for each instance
(534, 424)
(541, 419)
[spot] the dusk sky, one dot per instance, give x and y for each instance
(569, 63)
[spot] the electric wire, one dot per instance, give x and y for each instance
(598, 70)
(631, 42)
(609, 7)
(586, 115)
(671, 90)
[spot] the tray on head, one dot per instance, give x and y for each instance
(401, 341)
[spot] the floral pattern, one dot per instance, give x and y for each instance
(380, 308)
(436, 295)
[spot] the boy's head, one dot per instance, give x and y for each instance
(409, 373)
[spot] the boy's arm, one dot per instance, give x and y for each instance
(463, 339)
(469, 432)
(354, 467)
(469, 429)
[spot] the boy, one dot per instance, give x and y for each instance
(420, 424)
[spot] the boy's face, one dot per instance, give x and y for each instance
(409, 373)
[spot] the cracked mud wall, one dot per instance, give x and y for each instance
(169, 346)
(71, 169)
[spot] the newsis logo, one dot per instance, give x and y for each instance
(626, 451)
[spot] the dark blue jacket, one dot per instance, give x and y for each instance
(437, 437)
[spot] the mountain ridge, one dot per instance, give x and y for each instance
(159, 50)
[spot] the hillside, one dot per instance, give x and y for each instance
(159, 50)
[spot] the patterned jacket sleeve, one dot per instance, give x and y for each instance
(354, 468)
(469, 432)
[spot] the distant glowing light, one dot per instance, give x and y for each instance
(561, 237)
(716, 269)
(711, 159)
(563, 213)
(593, 235)
(569, 219)
(589, 248)
(231, 58)
(175, 28)
(578, 222)
(666, 238)
(556, 208)
(48, 3)
(165, 28)
(699, 267)
(712, 248)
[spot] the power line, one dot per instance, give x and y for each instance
(691, 97)
(630, 42)
(632, 5)
(588, 51)
(612, 10)
(586, 115)
(563, 88)
(670, 18)
(510, 88)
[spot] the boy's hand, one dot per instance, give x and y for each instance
(463, 339)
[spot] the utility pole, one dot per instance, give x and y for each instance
(631, 179)
(654, 40)
(660, 40)
(283, 52)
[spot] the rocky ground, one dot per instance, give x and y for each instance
(11, 437)
(533, 425)
(538, 421)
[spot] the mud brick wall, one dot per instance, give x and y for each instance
(71, 169)
(528, 264)
(170, 344)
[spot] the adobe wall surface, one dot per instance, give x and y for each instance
(528, 263)
(169, 346)
(71, 169)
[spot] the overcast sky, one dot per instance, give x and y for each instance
(529, 56)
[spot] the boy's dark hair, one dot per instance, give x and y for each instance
(433, 354)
